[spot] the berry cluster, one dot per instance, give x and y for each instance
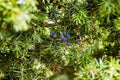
(64, 36)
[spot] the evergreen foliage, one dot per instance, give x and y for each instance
(59, 39)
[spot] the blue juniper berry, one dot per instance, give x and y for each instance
(67, 35)
(63, 37)
(52, 34)
(68, 43)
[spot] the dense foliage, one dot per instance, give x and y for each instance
(59, 39)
